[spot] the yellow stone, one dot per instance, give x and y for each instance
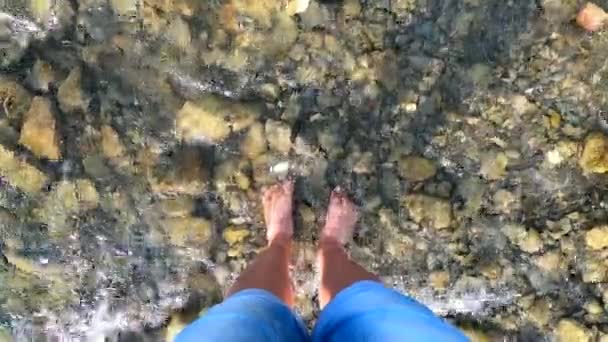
(177, 207)
(254, 143)
(201, 123)
(233, 235)
(548, 262)
(70, 94)
(87, 194)
(110, 143)
(38, 132)
(439, 280)
(569, 330)
(416, 169)
(183, 231)
(15, 100)
(19, 173)
(597, 238)
(475, 335)
(279, 136)
(594, 158)
(430, 210)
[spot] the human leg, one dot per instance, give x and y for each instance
(270, 269)
(337, 270)
(257, 307)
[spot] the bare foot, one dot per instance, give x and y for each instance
(341, 218)
(278, 206)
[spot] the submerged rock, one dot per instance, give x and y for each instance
(416, 169)
(569, 330)
(19, 173)
(428, 210)
(493, 165)
(233, 235)
(42, 76)
(594, 158)
(38, 132)
(14, 98)
(254, 143)
(279, 136)
(212, 119)
(185, 231)
(597, 238)
(111, 146)
(70, 94)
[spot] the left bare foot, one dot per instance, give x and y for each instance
(278, 211)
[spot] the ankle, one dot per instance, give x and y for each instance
(280, 239)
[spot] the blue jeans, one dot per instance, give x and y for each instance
(365, 311)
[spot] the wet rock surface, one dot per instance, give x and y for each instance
(135, 137)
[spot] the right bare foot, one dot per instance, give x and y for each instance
(341, 218)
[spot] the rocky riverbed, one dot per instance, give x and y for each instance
(135, 136)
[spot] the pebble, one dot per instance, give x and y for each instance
(594, 271)
(181, 206)
(70, 95)
(111, 146)
(597, 238)
(38, 132)
(195, 123)
(548, 262)
(429, 210)
(42, 76)
(233, 235)
(185, 231)
(279, 136)
(493, 165)
(439, 280)
(19, 173)
(594, 158)
(254, 143)
(569, 330)
(416, 169)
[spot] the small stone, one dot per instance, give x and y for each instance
(532, 242)
(603, 338)
(179, 33)
(212, 119)
(594, 158)
(439, 280)
(20, 174)
(42, 76)
(15, 100)
(562, 152)
(548, 262)
(70, 95)
(233, 235)
(111, 146)
(254, 143)
(38, 132)
(125, 7)
(569, 330)
(365, 164)
(186, 174)
(423, 209)
(87, 194)
(540, 312)
(593, 307)
(297, 6)
(493, 165)
(279, 136)
(177, 207)
(594, 271)
(591, 17)
(597, 238)
(416, 169)
(351, 8)
(184, 231)
(41, 10)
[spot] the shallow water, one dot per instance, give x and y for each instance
(135, 137)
